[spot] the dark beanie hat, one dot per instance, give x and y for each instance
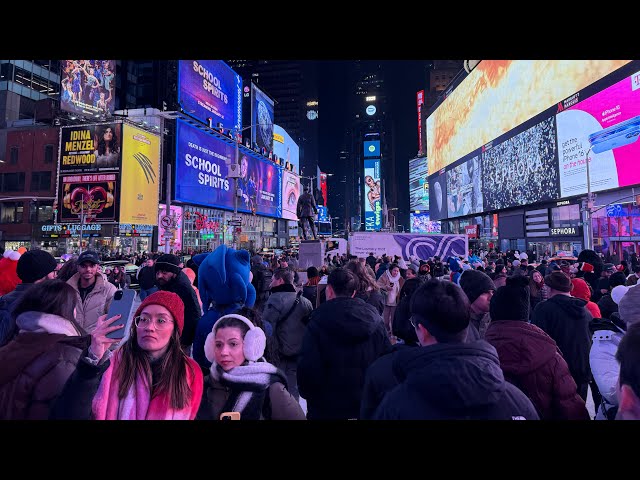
(474, 283)
(558, 281)
(34, 265)
(168, 263)
(511, 302)
(312, 272)
(168, 300)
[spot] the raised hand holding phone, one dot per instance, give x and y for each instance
(100, 343)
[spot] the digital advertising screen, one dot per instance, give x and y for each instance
(522, 169)
(372, 148)
(464, 188)
(87, 87)
(210, 89)
(418, 184)
(372, 195)
(421, 223)
(438, 196)
(140, 181)
(323, 187)
(284, 147)
(261, 118)
(93, 195)
(323, 214)
(90, 148)
(290, 194)
(608, 123)
(499, 95)
(201, 174)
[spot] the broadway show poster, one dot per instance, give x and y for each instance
(92, 194)
(140, 177)
(262, 119)
(210, 89)
(522, 170)
(372, 195)
(290, 194)
(90, 148)
(611, 118)
(87, 87)
(464, 188)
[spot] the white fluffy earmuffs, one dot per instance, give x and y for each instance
(254, 344)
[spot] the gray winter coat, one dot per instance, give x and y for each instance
(289, 333)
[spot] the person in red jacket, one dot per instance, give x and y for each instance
(581, 290)
(529, 358)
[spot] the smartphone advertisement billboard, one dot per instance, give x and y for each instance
(201, 174)
(210, 89)
(87, 87)
(499, 95)
(372, 195)
(418, 184)
(140, 164)
(261, 118)
(608, 124)
(290, 194)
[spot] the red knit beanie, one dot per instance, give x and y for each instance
(168, 300)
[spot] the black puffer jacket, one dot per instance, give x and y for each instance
(607, 306)
(566, 320)
(344, 336)
(453, 381)
(374, 298)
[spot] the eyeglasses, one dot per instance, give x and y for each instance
(160, 323)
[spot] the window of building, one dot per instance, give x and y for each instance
(566, 216)
(14, 155)
(11, 212)
(12, 182)
(40, 181)
(48, 154)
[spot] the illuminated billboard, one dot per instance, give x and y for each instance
(141, 176)
(499, 95)
(372, 195)
(284, 147)
(418, 184)
(290, 194)
(372, 148)
(90, 148)
(94, 195)
(87, 87)
(438, 196)
(608, 123)
(464, 188)
(522, 169)
(261, 118)
(421, 223)
(210, 89)
(202, 163)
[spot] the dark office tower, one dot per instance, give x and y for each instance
(370, 114)
(293, 86)
(146, 83)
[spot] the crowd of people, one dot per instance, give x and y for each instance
(233, 335)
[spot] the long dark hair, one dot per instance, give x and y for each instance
(102, 145)
(51, 296)
(365, 281)
(172, 378)
(68, 270)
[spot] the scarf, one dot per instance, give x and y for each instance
(392, 295)
(138, 404)
(248, 384)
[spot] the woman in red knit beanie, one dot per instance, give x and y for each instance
(149, 377)
(581, 290)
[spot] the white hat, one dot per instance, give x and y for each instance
(524, 256)
(516, 263)
(618, 292)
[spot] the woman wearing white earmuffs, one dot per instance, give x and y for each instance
(242, 385)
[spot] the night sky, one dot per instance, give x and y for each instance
(403, 78)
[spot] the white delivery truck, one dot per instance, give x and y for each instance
(407, 245)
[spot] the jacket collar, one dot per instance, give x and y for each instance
(285, 287)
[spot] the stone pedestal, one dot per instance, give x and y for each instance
(311, 254)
